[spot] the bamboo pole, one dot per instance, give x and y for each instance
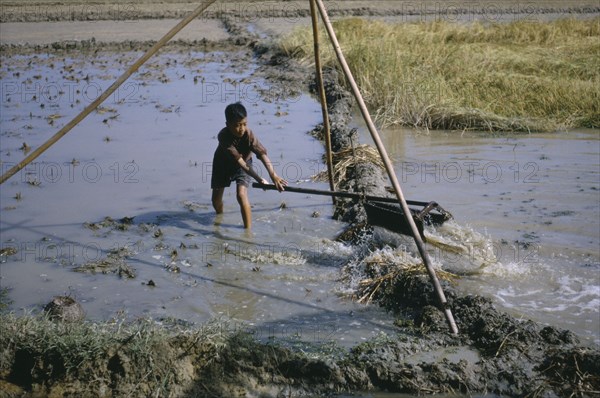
(62, 132)
(323, 97)
(388, 166)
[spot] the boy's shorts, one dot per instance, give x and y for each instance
(223, 180)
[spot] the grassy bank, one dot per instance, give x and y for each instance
(499, 355)
(521, 76)
(143, 358)
(87, 359)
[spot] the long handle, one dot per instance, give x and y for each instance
(351, 195)
(388, 166)
(41, 149)
(322, 96)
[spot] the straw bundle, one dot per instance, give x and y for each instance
(347, 159)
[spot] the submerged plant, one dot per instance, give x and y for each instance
(5, 301)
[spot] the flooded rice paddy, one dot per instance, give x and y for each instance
(526, 208)
(146, 154)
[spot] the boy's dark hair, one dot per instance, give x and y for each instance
(235, 112)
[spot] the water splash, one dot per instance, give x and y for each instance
(461, 249)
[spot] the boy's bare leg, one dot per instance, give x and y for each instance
(217, 199)
(242, 198)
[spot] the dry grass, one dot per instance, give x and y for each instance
(348, 158)
(86, 356)
(384, 269)
(520, 76)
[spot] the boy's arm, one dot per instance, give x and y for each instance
(251, 171)
(279, 182)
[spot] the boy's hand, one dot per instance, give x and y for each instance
(279, 182)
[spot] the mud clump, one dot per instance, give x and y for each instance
(115, 263)
(64, 308)
(493, 351)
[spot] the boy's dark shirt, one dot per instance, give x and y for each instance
(231, 148)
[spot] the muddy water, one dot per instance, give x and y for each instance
(147, 154)
(526, 208)
(527, 217)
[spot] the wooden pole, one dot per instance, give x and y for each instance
(388, 166)
(340, 194)
(323, 97)
(62, 132)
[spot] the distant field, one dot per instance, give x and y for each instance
(528, 73)
(345, 3)
(51, 10)
(520, 76)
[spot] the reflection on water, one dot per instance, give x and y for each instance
(527, 216)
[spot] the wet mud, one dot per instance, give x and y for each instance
(494, 353)
(511, 357)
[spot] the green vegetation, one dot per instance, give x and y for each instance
(5, 301)
(149, 359)
(136, 359)
(520, 76)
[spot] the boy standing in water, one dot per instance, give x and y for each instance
(233, 162)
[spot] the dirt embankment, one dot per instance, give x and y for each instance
(493, 353)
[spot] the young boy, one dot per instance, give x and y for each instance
(233, 162)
